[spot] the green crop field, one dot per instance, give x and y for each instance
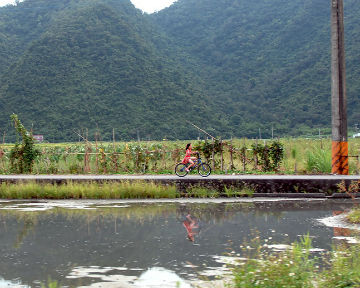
(300, 156)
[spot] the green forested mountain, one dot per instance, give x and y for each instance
(100, 65)
(228, 66)
(267, 62)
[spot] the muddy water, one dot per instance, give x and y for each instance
(161, 244)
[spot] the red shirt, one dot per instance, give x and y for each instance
(187, 156)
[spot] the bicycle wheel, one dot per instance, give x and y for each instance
(204, 169)
(180, 170)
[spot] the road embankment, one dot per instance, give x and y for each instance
(312, 186)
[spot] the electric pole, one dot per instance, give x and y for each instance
(340, 164)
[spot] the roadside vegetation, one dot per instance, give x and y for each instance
(123, 190)
(239, 156)
(297, 267)
(112, 190)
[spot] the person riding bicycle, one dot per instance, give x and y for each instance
(188, 158)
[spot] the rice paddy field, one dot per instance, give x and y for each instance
(301, 156)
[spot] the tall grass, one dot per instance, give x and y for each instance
(292, 268)
(296, 267)
(123, 190)
(318, 161)
(344, 268)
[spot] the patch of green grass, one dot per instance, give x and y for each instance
(344, 269)
(238, 192)
(354, 216)
(114, 190)
(202, 192)
(318, 161)
(296, 267)
(292, 268)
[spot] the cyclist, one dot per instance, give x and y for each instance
(188, 158)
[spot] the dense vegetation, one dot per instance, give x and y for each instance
(266, 62)
(231, 67)
(297, 266)
(239, 156)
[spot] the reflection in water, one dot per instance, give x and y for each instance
(190, 224)
(160, 277)
(341, 231)
(86, 243)
(112, 277)
(17, 284)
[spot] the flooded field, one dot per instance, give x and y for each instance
(151, 244)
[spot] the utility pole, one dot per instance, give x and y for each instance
(340, 164)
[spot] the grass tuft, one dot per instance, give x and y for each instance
(318, 161)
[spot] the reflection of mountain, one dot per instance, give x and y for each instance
(126, 237)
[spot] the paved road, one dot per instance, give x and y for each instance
(174, 177)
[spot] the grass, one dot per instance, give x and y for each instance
(354, 216)
(245, 191)
(202, 192)
(123, 190)
(112, 190)
(292, 268)
(296, 267)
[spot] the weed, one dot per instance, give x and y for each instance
(318, 161)
(344, 269)
(354, 216)
(351, 189)
(245, 191)
(291, 268)
(202, 192)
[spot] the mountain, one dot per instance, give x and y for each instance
(100, 65)
(230, 67)
(266, 62)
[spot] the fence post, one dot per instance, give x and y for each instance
(213, 154)
(231, 150)
(244, 158)
(97, 153)
(222, 156)
(255, 157)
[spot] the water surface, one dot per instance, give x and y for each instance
(129, 244)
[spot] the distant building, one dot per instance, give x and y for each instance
(38, 138)
(357, 135)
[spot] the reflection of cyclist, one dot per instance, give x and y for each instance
(189, 225)
(188, 158)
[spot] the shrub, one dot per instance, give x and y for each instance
(22, 156)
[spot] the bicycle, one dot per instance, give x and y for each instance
(203, 169)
